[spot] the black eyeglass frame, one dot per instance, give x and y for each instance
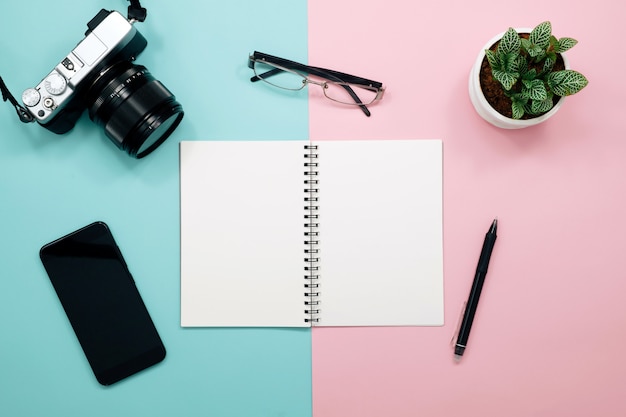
(331, 75)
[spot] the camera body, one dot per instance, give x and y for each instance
(136, 111)
(58, 100)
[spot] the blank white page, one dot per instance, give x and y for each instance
(242, 225)
(381, 245)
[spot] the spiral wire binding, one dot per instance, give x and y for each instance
(311, 235)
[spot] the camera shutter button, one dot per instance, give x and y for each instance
(55, 84)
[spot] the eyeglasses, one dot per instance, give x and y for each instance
(337, 86)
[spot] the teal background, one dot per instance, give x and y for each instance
(51, 185)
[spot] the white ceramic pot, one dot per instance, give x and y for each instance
(484, 109)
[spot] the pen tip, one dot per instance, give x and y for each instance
(457, 358)
(494, 226)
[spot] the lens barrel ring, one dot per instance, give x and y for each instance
(136, 111)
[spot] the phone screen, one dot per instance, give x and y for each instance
(102, 303)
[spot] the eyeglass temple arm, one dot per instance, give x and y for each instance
(322, 72)
(341, 76)
(265, 75)
(356, 99)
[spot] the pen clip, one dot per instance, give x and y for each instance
(458, 324)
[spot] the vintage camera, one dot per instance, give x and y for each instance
(136, 111)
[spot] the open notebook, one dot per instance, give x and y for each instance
(299, 233)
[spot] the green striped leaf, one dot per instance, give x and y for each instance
(541, 106)
(564, 44)
(534, 90)
(509, 62)
(517, 108)
(566, 82)
(492, 59)
(540, 35)
(522, 67)
(506, 79)
(510, 42)
(548, 64)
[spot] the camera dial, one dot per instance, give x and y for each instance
(31, 97)
(55, 83)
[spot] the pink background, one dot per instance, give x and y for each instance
(550, 329)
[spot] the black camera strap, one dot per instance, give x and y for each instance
(135, 13)
(23, 114)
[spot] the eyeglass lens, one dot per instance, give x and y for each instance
(278, 78)
(345, 93)
(292, 80)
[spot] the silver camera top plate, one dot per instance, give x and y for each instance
(57, 88)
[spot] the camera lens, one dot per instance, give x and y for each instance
(136, 111)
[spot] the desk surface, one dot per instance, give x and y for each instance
(548, 335)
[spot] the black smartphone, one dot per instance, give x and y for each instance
(102, 303)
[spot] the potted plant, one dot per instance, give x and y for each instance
(522, 76)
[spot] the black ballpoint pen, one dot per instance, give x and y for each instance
(477, 286)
